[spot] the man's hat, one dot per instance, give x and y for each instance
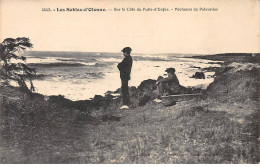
(170, 70)
(126, 49)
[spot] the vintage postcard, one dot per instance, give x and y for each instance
(129, 81)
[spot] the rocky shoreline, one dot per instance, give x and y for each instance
(220, 126)
(145, 92)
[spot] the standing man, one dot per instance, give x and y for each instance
(125, 70)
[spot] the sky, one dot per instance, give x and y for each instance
(235, 27)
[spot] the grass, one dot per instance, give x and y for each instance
(150, 134)
(210, 129)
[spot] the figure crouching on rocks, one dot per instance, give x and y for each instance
(169, 85)
(125, 71)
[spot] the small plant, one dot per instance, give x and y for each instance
(18, 71)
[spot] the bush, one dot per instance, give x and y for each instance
(19, 72)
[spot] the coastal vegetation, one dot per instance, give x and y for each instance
(220, 126)
(12, 64)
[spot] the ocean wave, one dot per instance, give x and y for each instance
(111, 59)
(205, 61)
(76, 59)
(91, 75)
(103, 64)
(77, 77)
(42, 60)
(150, 59)
(88, 64)
(59, 64)
(39, 76)
(68, 59)
(35, 60)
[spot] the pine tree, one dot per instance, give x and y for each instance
(17, 71)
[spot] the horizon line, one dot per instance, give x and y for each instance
(147, 53)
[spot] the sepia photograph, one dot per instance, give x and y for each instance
(129, 82)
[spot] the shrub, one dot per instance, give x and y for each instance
(17, 71)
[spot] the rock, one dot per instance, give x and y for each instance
(195, 67)
(140, 96)
(168, 102)
(145, 92)
(199, 75)
(147, 84)
(143, 100)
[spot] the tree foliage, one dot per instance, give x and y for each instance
(13, 65)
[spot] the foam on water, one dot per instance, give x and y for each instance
(81, 83)
(43, 60)
(88, 64)
(111, 60)
(52, 60)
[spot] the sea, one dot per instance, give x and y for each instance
(82, 75)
